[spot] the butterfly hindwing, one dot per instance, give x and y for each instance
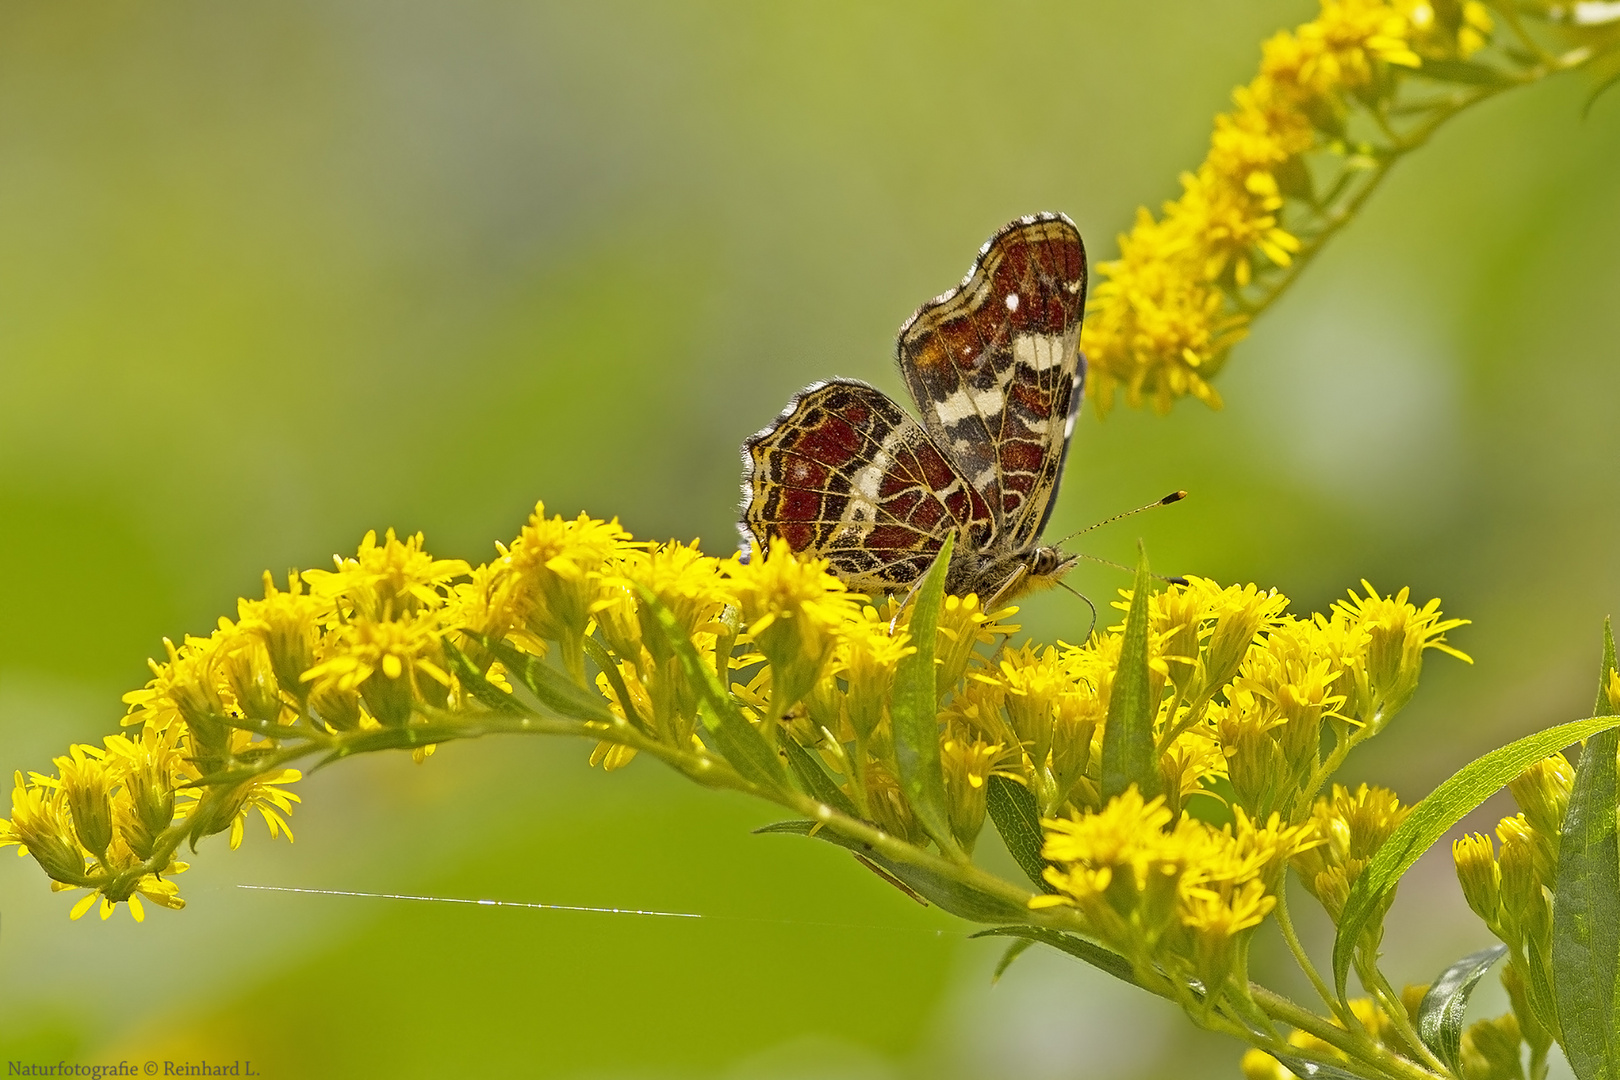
(846, 475)
(995, 368)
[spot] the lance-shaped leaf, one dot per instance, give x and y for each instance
(473, 681)
(945, 892)
(1431, 818)
(551, 687)
(1014, 951)
(610, 671)
(914, 713)
(1440, 1016)
(1310, 1070)
(1586, 904)
(1018, 820)
(1127, 749)
(813, 779)
(1078, 947)
(743, 745)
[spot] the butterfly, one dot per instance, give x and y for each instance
(995, 369)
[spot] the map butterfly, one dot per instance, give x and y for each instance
(995, 369)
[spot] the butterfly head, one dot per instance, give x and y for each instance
(1040, 567)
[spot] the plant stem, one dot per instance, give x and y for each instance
(1382, 1061)
(1286, 924)
(1395, 1009)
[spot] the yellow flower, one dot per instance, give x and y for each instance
(390, 581)
(792, 609)
(1239, 613)
(1349, 827)
(185, 688)
(41, 825)
(246, 666)
(1183, 895)
(1035, 680)
(691, 585)
(87, 783)
(867, 655)
(1158, 326)
(1397, 636)
(1121, 868)
(967, 761)
(551, 576)
(396, 667)
(222, 808)
(289, 624)
(963, 625)
(488, 605)
(1189, 763)
(1542, 792)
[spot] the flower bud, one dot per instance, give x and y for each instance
(245, 663)
(87, 783)
(1479, 877)
(1542, 792)
(1521, 888)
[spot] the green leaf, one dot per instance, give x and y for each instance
(610, 670)
(914, 713)
(1018, 820)
(1465, 71)
(1586, 904)
(744, 745)
(806, 765)
(1429, 820)
(370, 742)
(1440, 1016)
(474, 682)
(945, 892)
(1078, 947)
(1127, 749)
(554, 690)
(1014, 951)
(1310, 1070)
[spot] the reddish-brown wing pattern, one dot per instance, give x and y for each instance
(845, 474)
(994, 366)
(995, 369)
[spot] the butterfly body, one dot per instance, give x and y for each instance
(995, 369)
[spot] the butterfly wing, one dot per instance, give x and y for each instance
(846, 475)
(995, 368)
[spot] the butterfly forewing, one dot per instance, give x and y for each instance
(994, 366)
(846, 475)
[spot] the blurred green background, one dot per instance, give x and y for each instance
(272, 274)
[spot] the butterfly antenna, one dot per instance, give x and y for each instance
(1087, 601)
(1168, 579)
(1173, 497)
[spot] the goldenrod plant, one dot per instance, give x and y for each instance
(1155, 782)
(1336, 103)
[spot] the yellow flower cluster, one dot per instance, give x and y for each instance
(1250, 701)
(1177, 895)
(646, 646)
(1170, 307)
